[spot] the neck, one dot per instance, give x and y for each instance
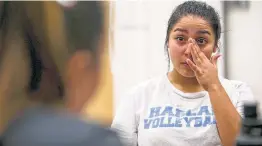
(185, 84)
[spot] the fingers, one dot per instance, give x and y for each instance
(195, 55)
(198, 56)
(195, 52)
(194, 67)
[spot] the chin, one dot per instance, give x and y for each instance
(187, 73)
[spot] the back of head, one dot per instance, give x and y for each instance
(38, 39)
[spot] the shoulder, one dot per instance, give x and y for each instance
(143, 91)
(147, 86)
(237, 89)
(235, 84)
(55, 128)
(101, 137)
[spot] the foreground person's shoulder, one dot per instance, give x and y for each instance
(46, 127)
(93, 134)
(104, 137)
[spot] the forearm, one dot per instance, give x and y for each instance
(227, 118)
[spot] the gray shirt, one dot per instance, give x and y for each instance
(44, 127)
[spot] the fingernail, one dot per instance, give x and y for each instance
(194, 42)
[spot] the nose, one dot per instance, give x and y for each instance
(188, 50)
(188, 47)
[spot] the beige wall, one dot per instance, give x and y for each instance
(101, 107)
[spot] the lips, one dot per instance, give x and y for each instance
(184, 63)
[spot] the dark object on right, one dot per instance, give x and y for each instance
(251, 130)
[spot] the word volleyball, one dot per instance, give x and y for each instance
(168, 116)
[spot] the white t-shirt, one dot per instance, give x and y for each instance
(155, 113)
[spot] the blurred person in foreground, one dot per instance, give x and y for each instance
(45, 79)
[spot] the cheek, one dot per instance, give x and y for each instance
(208, 55)
(175, 51)
(208, 51)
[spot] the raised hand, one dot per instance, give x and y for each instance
(205, 69)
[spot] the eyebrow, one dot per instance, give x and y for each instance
(180, 29)
(204, 32)
(199, 32)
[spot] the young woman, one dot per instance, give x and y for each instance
(49, 68)
(191, 105)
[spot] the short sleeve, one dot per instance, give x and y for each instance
(125, 122)
(243, 94)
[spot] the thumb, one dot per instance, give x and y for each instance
(215, 58)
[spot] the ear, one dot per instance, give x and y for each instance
(167, 44)
(215, 49)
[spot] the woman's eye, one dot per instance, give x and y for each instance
(201, 41)
(180, 38)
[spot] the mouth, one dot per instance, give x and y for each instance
(184, 63)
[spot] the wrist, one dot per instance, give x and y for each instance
(215, 87)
